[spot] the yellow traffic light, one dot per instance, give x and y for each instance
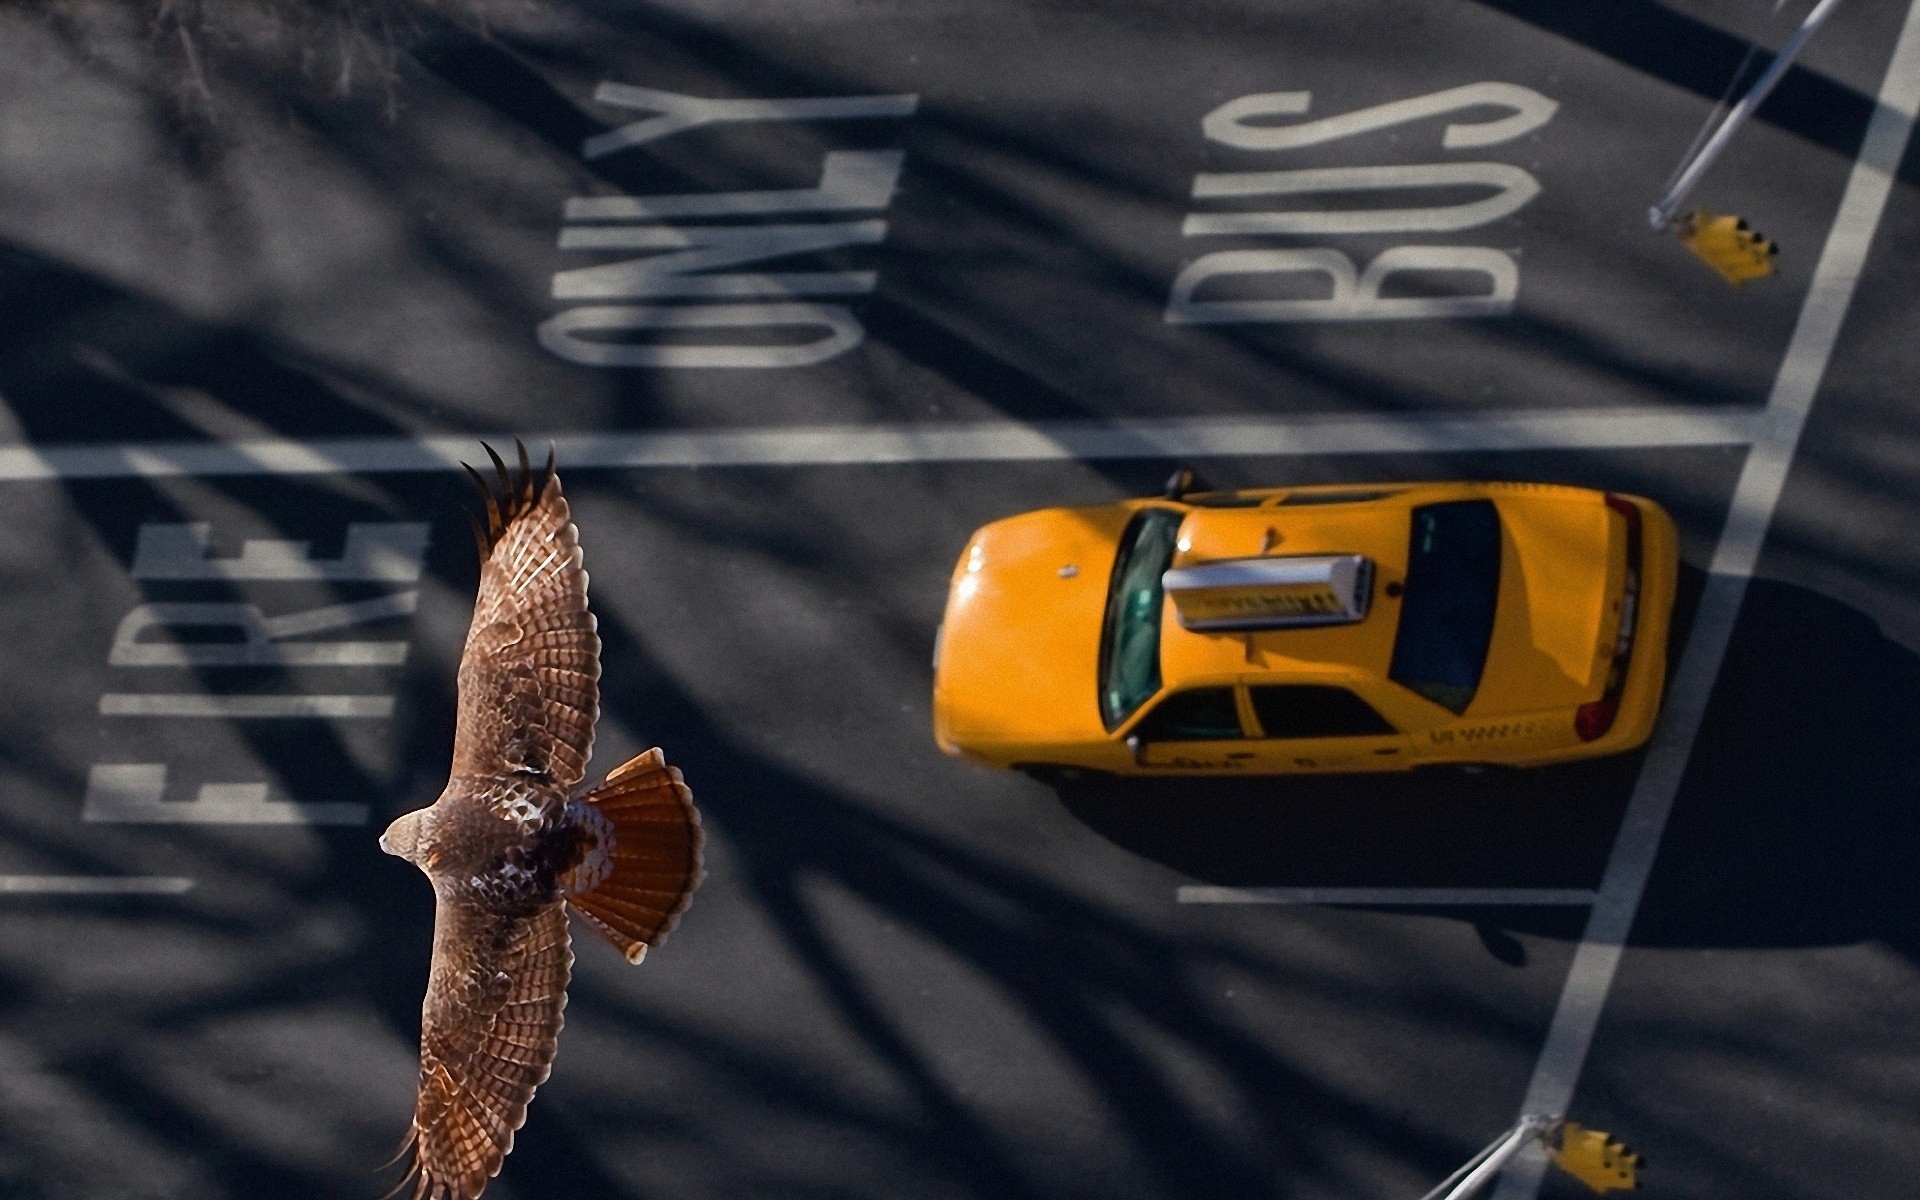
(1729, 245)
(1593, 1158)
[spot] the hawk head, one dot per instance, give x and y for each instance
(403, 838)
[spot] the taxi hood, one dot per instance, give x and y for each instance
(1018, 656)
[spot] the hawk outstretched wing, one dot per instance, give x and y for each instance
(529, 677)
(487, 1037)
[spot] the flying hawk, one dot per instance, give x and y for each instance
(510, 845)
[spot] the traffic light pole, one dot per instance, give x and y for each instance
(1482, 1167)
(1662, 213)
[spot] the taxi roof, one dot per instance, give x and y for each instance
(1344, 519)
(1546, 648)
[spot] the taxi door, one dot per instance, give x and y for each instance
(1198, 730)
(1320, 727)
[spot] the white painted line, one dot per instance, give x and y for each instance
(376, 552)
(999, 441)
(135, 794)
(195, 704)
(232, 812)
(1835, 277)
(1412, 896)
(94, 885)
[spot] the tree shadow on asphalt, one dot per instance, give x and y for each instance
(1812, 695)
(1086, 976)
(1081, 973)
(1018, 349)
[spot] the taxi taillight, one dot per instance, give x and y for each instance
(1591, 721)
(1631, 512)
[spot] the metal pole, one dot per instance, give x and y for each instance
(1482, 1167)
(1661, 214)
(1446, 1185)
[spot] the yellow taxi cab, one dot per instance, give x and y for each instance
(1310, 629)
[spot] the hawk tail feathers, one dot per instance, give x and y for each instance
(640, 869)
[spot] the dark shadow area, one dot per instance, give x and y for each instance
(1809, 681)
(1549, 827)
(1795, 827)
(87, 360)
(1546, 827)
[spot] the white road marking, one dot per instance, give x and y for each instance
(94, 885)
(135, 794)
(196, 704)
(376, 552)
(1755, 496)
(997, 441)
(1414, 896)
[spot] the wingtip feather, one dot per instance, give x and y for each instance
(514, 491)
(500, 469)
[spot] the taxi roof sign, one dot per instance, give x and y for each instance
(1271, 593)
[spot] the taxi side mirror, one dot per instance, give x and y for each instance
(1137, 746)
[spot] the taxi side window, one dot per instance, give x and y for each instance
(1312, 710)
(1196, 715)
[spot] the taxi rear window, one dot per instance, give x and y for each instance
(1130, 636)
(1313, 710)
(1446, 612)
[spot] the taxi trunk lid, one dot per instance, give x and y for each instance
(1562, 578)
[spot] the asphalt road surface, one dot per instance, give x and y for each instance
(939, 263)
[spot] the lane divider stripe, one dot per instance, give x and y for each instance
(94, 885)
(1395, 896)
(999, 441)
(1835, 277)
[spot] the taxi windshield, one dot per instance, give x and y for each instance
(1130, 637)
(1446, 614)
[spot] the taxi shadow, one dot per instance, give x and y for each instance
(1545, 828)
(1796, 824)
(1549, 827)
